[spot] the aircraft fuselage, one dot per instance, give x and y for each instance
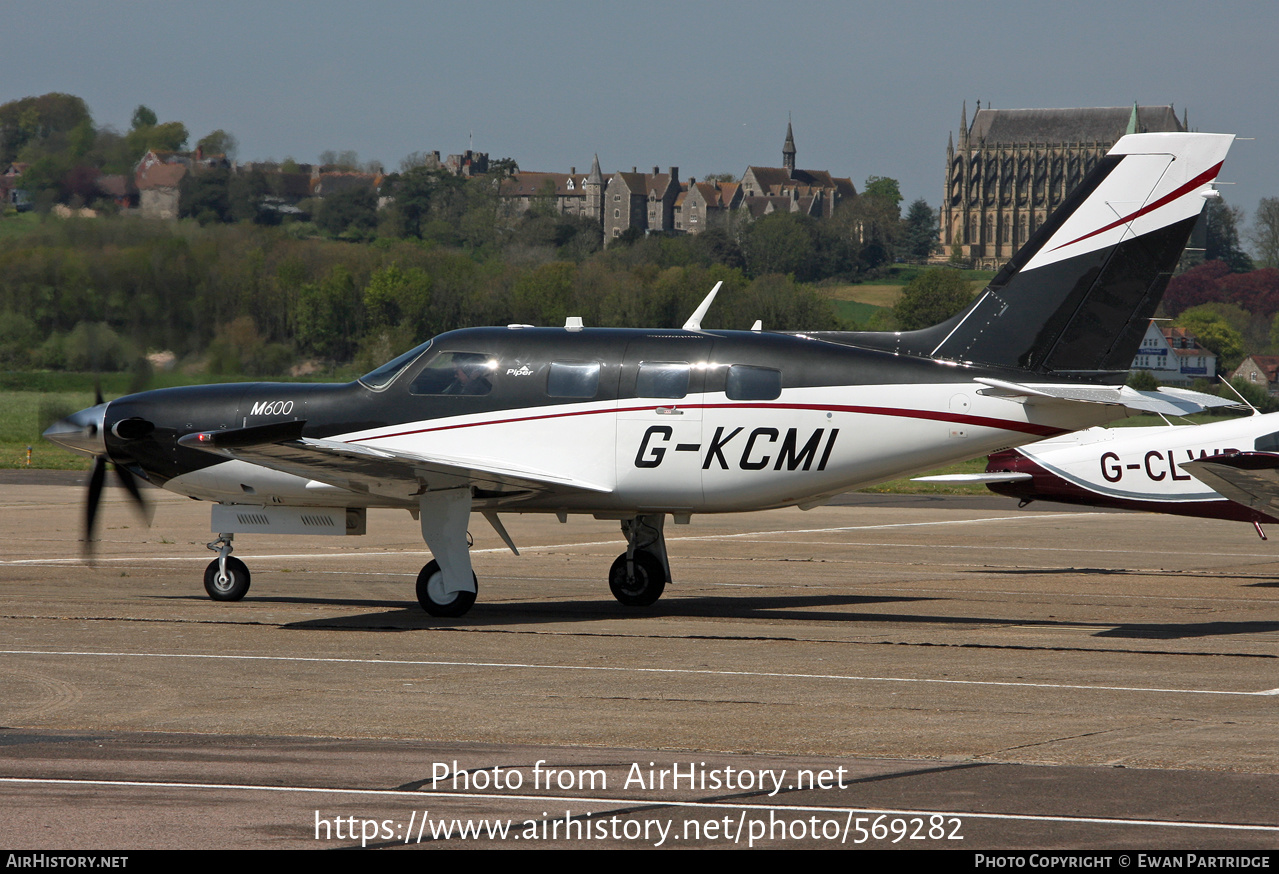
(678, 421)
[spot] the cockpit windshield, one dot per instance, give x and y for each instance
(384, 375)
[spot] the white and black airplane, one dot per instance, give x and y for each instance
(636, 425)
(1221, 470)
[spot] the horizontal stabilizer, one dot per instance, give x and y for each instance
(970, 478)
(1170, 402)
(1248, 478)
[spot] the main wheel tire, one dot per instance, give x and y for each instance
(647, 585)
(236, 584)
(434, 600)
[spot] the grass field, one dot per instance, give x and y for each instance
(859, 302)
(18, 224)
(854, 311)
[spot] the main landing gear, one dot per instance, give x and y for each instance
(639, 575)
(226, 578)
(436, 599)
(447, 586)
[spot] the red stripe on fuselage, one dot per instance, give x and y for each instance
(980, 421)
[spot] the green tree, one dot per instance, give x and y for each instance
(1222, 225)
(354, 209)
(202, 195)
(1214, 332)
(1265, 232)
(883, 188)
(919, 234)
(327, 315)
(37, 126)
(418, 193)
(872, 222)
(779, 243)
(168, 137)
(932, 297)
(219, 142)
(245, 195)
(1143, 380)
(398, 299)
(543, 295)
(143, 117)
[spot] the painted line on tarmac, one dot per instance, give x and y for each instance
(634, 670)
(613, 543)
(643, 802)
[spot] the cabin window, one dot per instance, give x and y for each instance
(662, 379)
(747, 383)
(573, 379)
(456, 373)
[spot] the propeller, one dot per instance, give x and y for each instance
(84, 432)
(97, 479)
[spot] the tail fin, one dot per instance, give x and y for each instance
(1075, 300)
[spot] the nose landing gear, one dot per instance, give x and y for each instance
(639, 575)
(226, 578)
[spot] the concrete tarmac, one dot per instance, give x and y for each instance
(886, 672)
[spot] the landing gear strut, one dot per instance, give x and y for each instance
(639, 575)
(447, 585)
(226, 578)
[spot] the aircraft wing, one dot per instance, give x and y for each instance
(1248, 478)
(1169, 401)
(387, 472)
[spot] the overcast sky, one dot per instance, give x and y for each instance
(871, 88)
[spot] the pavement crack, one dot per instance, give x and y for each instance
(1041, 743)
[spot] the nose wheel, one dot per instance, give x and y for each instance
(638, 582)
(639, 576)
(226, 578)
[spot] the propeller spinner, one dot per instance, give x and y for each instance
(85, 433)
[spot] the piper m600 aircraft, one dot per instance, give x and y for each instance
(638, 425)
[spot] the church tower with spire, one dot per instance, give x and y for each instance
(594, 187)
(788, 151)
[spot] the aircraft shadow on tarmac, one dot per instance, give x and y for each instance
(515, 613)
(408, 616)
(1172, 631)
(1254, 579)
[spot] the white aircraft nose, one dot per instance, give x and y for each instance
(80, 432)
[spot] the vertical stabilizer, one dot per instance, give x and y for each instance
(1075, 300)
